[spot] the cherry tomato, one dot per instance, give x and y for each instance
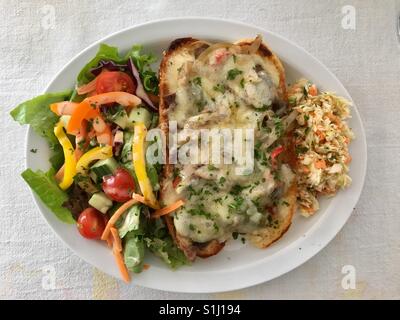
(91, 223)
(119, 186)
(111, 81)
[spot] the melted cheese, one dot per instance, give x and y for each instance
(226, 90)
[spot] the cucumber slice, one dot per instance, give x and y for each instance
(100, 201)
(140, 115)
(103, 168)
(117, 115)
(121, 119)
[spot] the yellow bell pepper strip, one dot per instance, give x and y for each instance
(82, 167)
(98, 153)
(69, 156)
(139, 164)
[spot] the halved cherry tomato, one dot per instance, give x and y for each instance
(119, 186)
(114, 81)
(91, 223)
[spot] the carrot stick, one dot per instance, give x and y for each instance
(141, 199)
(109, 241)
(166, 210)
(116, 239)
(320, 164)
(121, 265)
(117, 251)
(116, 216)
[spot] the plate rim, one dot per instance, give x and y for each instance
(327, 237)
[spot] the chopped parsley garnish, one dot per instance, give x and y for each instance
(200, 105)
(285, 203)
(89, 125)
(236, 189)
(278, 126)
(242, 83)
(234, 58)
(257, 204)
(192, 227)
(211, 167)
(199, 211)
(192, 192)
(197, 81)
(222, 180)
(216, 228)
(260, 155)
(255, 184)
(305, 92)
(236, 204)
(233, 73)
(113, 112)
(81, 144)
(219, 88)
(306, 117)
(33, 150)
(292, 100)
(264, 107)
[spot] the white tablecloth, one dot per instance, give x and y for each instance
(366, 60)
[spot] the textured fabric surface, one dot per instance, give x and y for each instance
(366, 60)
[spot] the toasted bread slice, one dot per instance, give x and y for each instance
(181, 54)
(264, 237)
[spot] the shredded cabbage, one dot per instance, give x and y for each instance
(322, 138)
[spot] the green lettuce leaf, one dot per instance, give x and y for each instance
(161, 244)
(143, 64)
(37, 114)
(142, 61)
(134, 246)
(134, 251)
(131, 221)
(45, 186)
(166, 249)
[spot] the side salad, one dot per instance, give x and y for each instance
(99, 178)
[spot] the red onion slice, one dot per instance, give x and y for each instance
(140, 92)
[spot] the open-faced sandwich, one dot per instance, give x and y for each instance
(234, 86)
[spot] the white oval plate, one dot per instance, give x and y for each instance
(237, 266)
